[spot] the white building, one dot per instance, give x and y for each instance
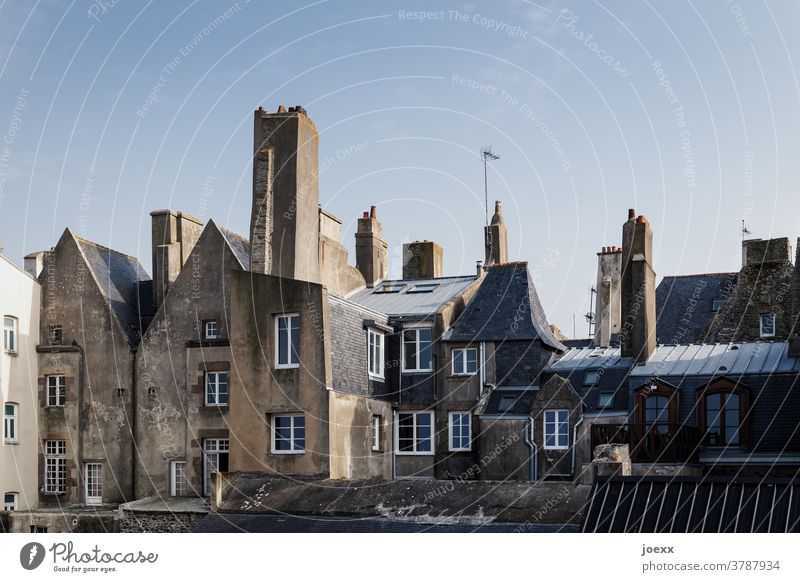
(19, 307)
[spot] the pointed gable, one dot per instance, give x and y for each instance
(506, 307)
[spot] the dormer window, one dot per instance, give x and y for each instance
(390, 288)
(210, 329)
(423, 288)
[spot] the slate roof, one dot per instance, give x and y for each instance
(239, 245)
(119, 277)
(693, 505)
(506, 307)
(732, 359)
(240, 523)
(612, 374)
(407, 301)
(685, 305)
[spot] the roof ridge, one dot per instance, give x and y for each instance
(720, 273)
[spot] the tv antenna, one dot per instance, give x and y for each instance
(487, 155)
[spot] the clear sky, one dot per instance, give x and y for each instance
(685, 111)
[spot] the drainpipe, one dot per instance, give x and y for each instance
(575, 442)
(528, 430)
(394, 450)
(483, 366)
(134, 424)
(81, 373)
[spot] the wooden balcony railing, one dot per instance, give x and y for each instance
(664, 443)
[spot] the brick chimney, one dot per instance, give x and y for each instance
(422, 260)
(496, 238)
(173, 236)
(284, 222)
(607, 304)
(638, 289)
(372, 252)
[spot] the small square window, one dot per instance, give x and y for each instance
(152, 392)
(465, 361)
(120, 392)
(56, 338)
(605, 400)
(289, 434)
(591, 377)
(767, 325)
(210, 329)
(10, 501)
(717, 305)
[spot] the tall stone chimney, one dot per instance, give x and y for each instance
(173, 236)
(284, 228)
(608, 307)
(422, 260)
(372, 252)
(496, 238)
(638, 287)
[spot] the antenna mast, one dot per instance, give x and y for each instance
(487, 155)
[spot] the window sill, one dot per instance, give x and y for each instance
(377, 378)
(555, 448)
(8, 442)
(220, 407)
(417, 454)
(288, 452)
(12, 354)
(417, 371)
(287, 367)
(459, 450)
(464, 375)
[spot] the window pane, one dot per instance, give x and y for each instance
(472, 361)
(405, 432)
(410, 348)
(458, 361)
(424, 349)
(283, 342)
(295, 321)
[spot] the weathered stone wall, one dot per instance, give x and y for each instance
(557, 393)
(172, 360)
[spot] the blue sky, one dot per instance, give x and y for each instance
(686, 111)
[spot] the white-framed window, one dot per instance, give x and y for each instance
(55, 334)
(556, 429)
(215, 460)
(460, 431)
(93, 482)
(465, 361)
(210, 329)
(216, 389)
(56, 390)
(10, 333)
(178, 483)
(591, 377)
(288, 434)
(287, 340)
(376, 432)
(417, 349)
(415, 433)
(767, 325)
(55, 466)
(10, 426)
(375, 351)
(10, 501)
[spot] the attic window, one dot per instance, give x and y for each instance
(717, 305)
(390, 289)
(423, 288)
(591, 377)
(505, 403)
(605, 400)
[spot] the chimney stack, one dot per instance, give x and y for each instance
(173, 236)
(422, 260)
(284, 222)
(607, 303)
(496, 238)
(34, 264)
(638, 288)
(372, 252)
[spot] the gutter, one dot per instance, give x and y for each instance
(534, 475)
(81, 382)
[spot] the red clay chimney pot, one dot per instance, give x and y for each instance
(373, 212)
